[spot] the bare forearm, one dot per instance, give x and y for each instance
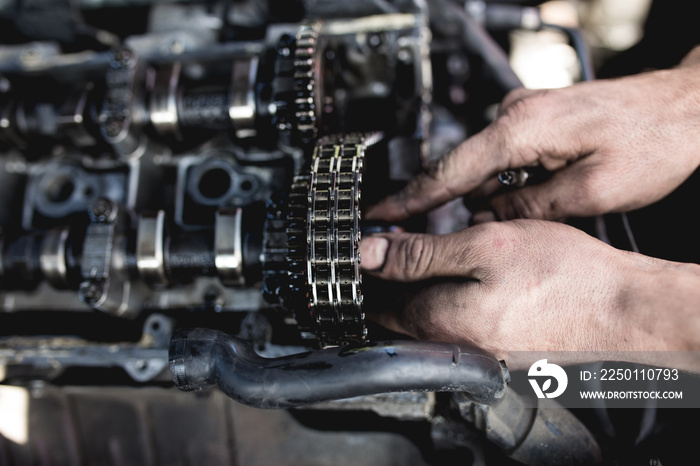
(658, 320)
(666, 309)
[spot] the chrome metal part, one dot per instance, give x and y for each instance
(52, 258)
(105, 286)
(516, 177)
(163, 110)
(119, 119)
(324, 235)
(74, 117)
(306, 75)
(228, 246)
(242, 108)
(150, 249)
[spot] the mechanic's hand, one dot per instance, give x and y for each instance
(530, 285)
(614, 145)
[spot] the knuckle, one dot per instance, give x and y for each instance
(489, 242)
(517, 127)
(518, 108)
(514, 95)
(511, 131)
(416, 253)
(441, 170)
(436, 179)
(487, 230)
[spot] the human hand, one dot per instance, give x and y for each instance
(529, 285)
(612, 145)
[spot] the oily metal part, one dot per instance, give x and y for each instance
(305, 77)
(324, 235)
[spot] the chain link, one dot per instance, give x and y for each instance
(324, 236)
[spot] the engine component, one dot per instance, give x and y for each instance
(330, 204)
(521, 431)
(143, 361)
(205, 165)
(203, 358)
(177, 139)
(321, 281)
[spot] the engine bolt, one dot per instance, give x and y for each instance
(103, 210)
(90, 292)
(122, 58)
(113, 127)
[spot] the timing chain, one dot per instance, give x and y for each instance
(324, 236)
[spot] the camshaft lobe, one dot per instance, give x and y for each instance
(324, 236)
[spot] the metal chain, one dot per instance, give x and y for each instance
(305, 63)
(324, 236)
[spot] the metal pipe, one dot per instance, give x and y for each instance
(203, 358)
(479, 42)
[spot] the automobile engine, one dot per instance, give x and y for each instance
(181, 195)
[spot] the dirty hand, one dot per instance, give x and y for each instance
(530, 285)
(613, 145)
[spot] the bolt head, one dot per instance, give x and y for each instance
(90, 292)
(103, 210)
(122, 58)
(113, 127)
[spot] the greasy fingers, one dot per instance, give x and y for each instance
(615, 151)
(520, 285)
(530, 129)
(373, 251)
(569, 192)
(409, 257)
(455, 174)
(516, 95)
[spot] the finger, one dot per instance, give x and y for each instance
(568, 193)
(487, 189)
(534, 128)
(514, 96)
(477, 199)
(692, 59)
(409, 257)
(483, 216)
(455, 174)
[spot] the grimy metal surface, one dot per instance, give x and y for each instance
(125, 426)
(324, 235)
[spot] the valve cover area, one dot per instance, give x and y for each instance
(173, 171)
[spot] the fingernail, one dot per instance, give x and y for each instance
(373, 252)
(483, 217)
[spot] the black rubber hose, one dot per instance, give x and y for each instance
(203, 358)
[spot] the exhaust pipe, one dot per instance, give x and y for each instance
(203, 358)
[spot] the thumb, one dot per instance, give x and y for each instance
(410, 257)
